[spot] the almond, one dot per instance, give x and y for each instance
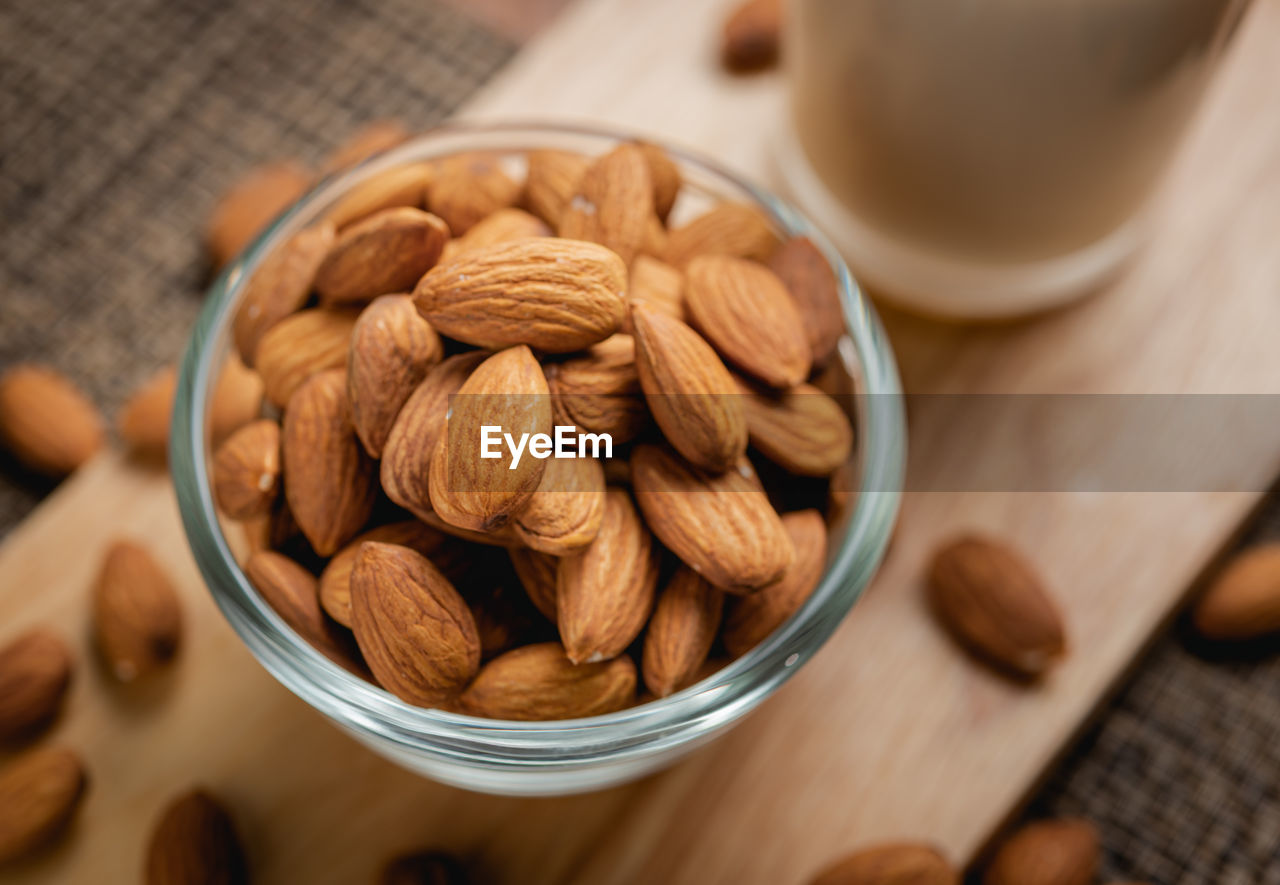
(659, 283)
(1051, 852)
(301, 345)
(538, 574)
(406, 457)
(35, 670)
(291, 591)
(280, 285)
(335, 580)
(801, 429)
(752, 618)
(469, 187)
(400, 186)
(137, 619)
(246, 470)
(539, 682)
(564, 514)
(723, 527)
(551, 182)
(328, 478)
(507, 390)
(995, 605)
(39, 792)
(689, 391)
(1244, 601)
(387, 252)
(897, 863)
(604, 594)
(600, 391)
(251, 204)
(369, 140)
(752, 36)
(143, 421)
(728, 229)
(664, 174)
(416, 633)
(500, 536)
(237, 399)
(552, 294)
(392, 348)
(423, 868)
(808, 277)
(46, 422)
(500, 227)
(195, 841)
(748, 316)
(681, 632)
(613, 203)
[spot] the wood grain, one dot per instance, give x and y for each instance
(890, 732)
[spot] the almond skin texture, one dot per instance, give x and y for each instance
(384, 253)
(137, 619)
(681, 631)
(723, 527)
(600, 391)
(729, 229)
(551, 294)
(250, 205)
(467, 188)
(604, 594)
(808, 277)
(500, 227)
(416, 633)
(369, 140)
(328, 478)
(613, 203)
(689, 391)
(246, 470)
(665, 175)
(39, 792)
(565, 513)
(279, 286)
(538, 574)
(538, 682)
(507, 390)
(335, 580)
(291, 591)
(392, 348)
(748, 316)
(991, 601)
(801, 429)
(752, 36)
(752, 618)
(1244, 601)
(659, 283)
(195, 841)
(400, 186)
(1053, 852)
(237, 399)
(901, 863)
(301, 345)
(551, 182)
(143, 421)
(35, 670)
(46, 422)
(406, 457)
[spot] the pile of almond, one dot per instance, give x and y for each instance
(533, 292)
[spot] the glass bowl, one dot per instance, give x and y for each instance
(545, 758)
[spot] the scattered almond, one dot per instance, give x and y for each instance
(896, 863)
(1051, 852)
(301, 345)
(143, 421)
(808, 277)
(993, 603)
(540, 682)
(279, 286)
(246, 470)
(35, 670)
(46, 422)
(1243, 602)
(39, 793)
(752, 36)
(752, 618)
(385, 253)
(251, 204)
(681, 632)
(137, 619)
(194, 842)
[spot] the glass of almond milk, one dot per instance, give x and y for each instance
(984, 158)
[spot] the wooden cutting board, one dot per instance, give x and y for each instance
(889, 732)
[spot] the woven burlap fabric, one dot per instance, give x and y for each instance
(122, 120)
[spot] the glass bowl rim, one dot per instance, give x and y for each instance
(645, 728)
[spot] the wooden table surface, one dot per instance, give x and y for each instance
(889, 732)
